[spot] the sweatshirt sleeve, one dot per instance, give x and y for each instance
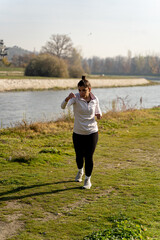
(68, 104)
(63, 104)
(98, 110)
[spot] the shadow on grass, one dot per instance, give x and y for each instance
(19, 189)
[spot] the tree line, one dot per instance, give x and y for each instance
(59, 58)
(138, 65)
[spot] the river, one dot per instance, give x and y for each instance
(45, 105)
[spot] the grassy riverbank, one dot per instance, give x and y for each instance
(18, 73)
(39, 199)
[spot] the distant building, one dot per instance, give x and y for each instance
(3, 50)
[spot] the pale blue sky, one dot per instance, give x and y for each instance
(103, 28)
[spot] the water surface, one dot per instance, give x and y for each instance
(45, 105)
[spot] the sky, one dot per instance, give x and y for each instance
(102, 28)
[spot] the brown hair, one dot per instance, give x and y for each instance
(84, 83)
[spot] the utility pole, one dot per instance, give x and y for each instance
(3, 50)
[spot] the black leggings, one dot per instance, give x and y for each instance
(84, 146)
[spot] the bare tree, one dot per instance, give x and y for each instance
(59, 45)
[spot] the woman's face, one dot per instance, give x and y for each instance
(84, 92)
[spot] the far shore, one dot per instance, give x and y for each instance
(42, 84)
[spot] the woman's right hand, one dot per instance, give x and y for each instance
(71, 95)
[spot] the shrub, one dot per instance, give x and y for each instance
(6, 62)
(75, 71)
(47, 66)
(122, 228)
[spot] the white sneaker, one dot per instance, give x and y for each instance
(87, 183)
(79, 176)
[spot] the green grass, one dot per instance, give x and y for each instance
(11, 73)
(11, 69)
(38, 195)
(18, 73)
(113, 76)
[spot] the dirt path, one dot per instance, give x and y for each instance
(33, 84)
(12, 224)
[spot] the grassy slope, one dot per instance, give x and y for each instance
(38, 194)
(18, 73)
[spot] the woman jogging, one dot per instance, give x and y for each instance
(85, 131)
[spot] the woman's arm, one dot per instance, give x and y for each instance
(64, 103)
(98, 112)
